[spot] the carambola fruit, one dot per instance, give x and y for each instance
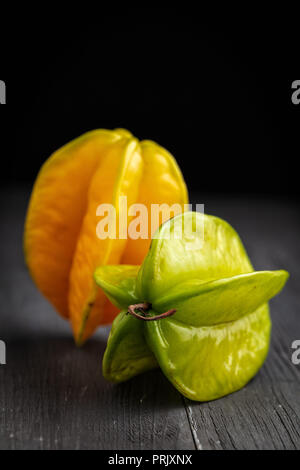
(218, 337)
(60, 242)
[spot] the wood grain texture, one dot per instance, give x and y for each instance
(53, 395)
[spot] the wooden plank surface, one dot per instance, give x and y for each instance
(53, 395)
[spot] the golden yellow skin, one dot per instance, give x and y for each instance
(60, 243)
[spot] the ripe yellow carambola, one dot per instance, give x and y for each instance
(60, 243)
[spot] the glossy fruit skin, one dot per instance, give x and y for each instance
(60, 243)
(220, 334)
(226, 356)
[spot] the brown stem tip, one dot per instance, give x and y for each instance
(144, 315)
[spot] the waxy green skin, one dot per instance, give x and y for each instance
(219, 336)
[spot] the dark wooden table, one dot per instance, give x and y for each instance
(53, 395)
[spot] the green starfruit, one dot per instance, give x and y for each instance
(196, 308)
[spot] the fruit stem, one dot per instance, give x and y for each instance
(143, 308)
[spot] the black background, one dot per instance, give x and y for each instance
(217, 95)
